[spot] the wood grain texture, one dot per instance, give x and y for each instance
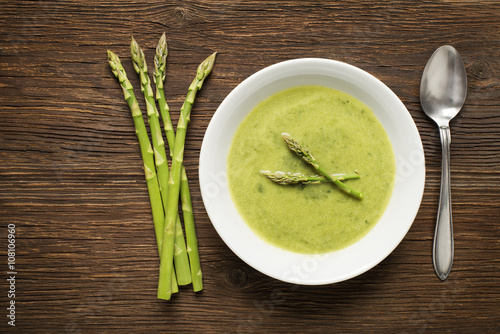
(71, 178)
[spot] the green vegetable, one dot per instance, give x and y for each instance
(146, 151)
(192, 249)
(295, 178)
(166, 264)
(192, 241)
(159, 79)
(180, 255)
(307, 157)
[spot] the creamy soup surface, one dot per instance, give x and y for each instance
(344, 136)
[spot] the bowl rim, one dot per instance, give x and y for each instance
(266, 76)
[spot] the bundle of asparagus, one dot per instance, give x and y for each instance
(294, 178)
(164, 185)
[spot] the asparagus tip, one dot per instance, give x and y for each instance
(114, 63)
(133, 45)
(136, 52)
(204, 70)
(111, 55)
(160, 61)
(161, 48)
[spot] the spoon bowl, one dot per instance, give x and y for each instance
(442, 94)
(444, 85)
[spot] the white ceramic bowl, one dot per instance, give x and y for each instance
(386, 234)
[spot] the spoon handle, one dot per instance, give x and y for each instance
(442, 251)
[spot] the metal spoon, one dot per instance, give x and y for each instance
(442, 94)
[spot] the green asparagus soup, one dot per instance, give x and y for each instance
(344, 136)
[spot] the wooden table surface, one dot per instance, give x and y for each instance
(71, 179)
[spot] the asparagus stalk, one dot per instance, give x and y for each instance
(307, 157)
(140, 66)
(191, 239)
(192, 243)
(146, 150)
(159, 79)
(295, 178)
(164, 285)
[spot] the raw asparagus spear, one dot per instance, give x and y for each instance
(164, 284)
(307, 157)
(192, 243)
(159, 79)
(180, 256)
(146, 150)
(295, 178)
